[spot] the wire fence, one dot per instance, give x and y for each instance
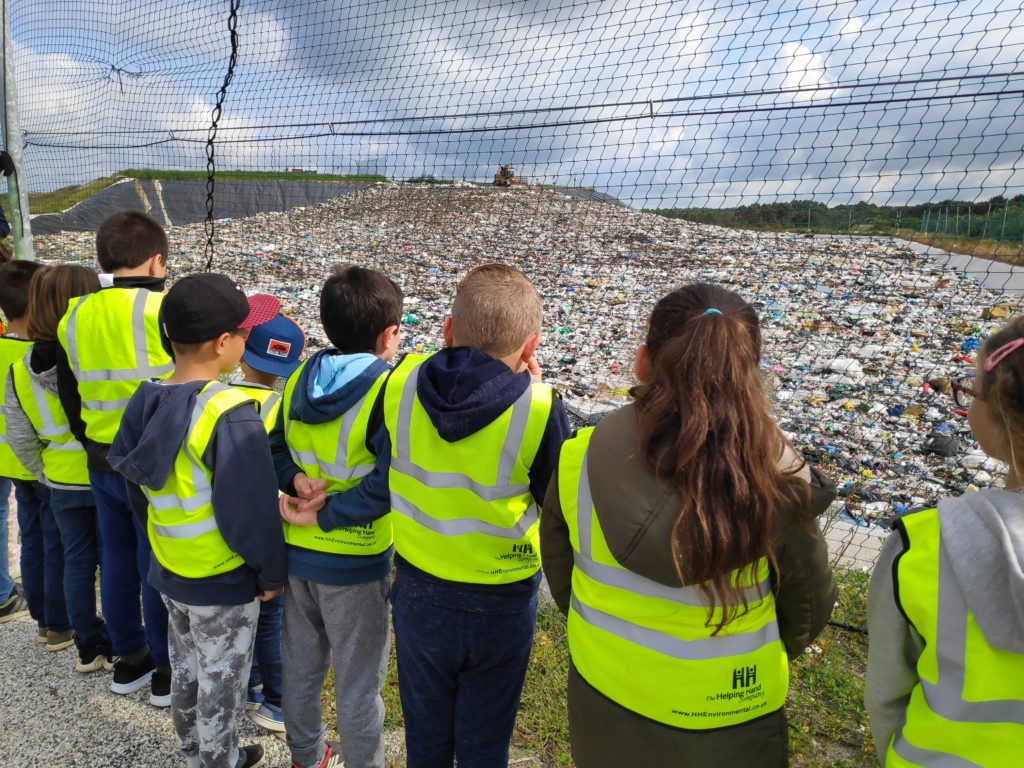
(854, 167)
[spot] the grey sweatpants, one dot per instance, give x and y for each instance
(346, 626)
(210, 648)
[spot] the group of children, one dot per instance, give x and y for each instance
(679, 536)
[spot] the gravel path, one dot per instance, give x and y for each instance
(51, 715)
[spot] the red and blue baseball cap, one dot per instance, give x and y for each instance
(275, 347)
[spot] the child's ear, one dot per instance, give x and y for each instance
(220, 343)
(446, 331)
(643, 364)
(386, 338)
(530, 347)
(156, 265)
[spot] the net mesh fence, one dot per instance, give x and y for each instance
(853, 168)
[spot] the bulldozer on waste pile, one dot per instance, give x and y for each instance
(506, 177)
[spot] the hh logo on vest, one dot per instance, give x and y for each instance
(744, 677)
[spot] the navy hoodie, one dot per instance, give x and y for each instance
(462, 390)
(328, 385)
(154, 426)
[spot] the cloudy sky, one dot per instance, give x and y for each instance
(699, 102)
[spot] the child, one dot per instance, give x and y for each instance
(42, 556)
(338, 569)
(110, 342)
(199, 451)
(272, 351)
(473, 442)
(38, 432)
(945, 679)
(662, 620)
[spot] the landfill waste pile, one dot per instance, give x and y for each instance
(862, 337)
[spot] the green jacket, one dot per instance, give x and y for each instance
(637, 514)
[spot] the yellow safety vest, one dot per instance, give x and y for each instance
(463, 510)
(268, 402)
(64, 458)
(112, 339)
(181, 525)
(968, 706)
(11, 350)
(649, 647)
(335, 451)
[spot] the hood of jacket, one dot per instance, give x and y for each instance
(42, 365)
(330, 383)
(984, 536)
(463, 390)
(153, 427)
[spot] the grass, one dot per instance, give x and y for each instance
(828, 725)
(61, 199)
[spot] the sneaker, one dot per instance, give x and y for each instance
(94, 656)
(130, 676)
(270, 717)
(160, 687)
(252, 756)
(331, 760)
(13, 607)
(41, 634)
(58, 641)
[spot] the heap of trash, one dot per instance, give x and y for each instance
(862, 337)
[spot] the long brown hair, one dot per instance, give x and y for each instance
(706, 425)
(49, 292)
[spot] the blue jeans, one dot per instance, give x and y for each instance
(266, 655)
(42, 556)
(75, 513)
(6, 582)
(462, 658)
(124, 567)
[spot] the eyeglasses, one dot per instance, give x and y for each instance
(963, 391)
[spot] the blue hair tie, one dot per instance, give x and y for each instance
(712, 311)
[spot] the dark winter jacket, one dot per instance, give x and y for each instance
(637, 513)
(67, 384)
(328, 385)
(154, 426)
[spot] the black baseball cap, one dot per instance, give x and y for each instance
(201, 307)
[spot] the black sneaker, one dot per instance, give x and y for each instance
(94, 656)
(13, 607)
(253, 756)
(130, 676)
(160, 687)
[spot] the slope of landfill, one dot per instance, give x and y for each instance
(861, 336)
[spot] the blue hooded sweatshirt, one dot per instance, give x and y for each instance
(328, 385)
(462, 390)
(154, 426)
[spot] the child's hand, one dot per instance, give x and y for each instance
(293, 512)
(265, 596)
(308, 487)
(534, 368)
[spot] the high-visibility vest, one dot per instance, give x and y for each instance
(11, 350)
(112, 339)
(268, 402)
(463, 510)
(335, 451)
(967, 708)
(64, 458)
(650, 647)
(181, 525)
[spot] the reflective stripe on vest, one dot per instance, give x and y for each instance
(267, 402)
(335, 451)
(968, 706)
(649, 647)
(64, 459)
(181, 525)
(494, 539)
(11, 350)
(108, 362)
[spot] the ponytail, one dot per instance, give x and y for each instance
(706, 425)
